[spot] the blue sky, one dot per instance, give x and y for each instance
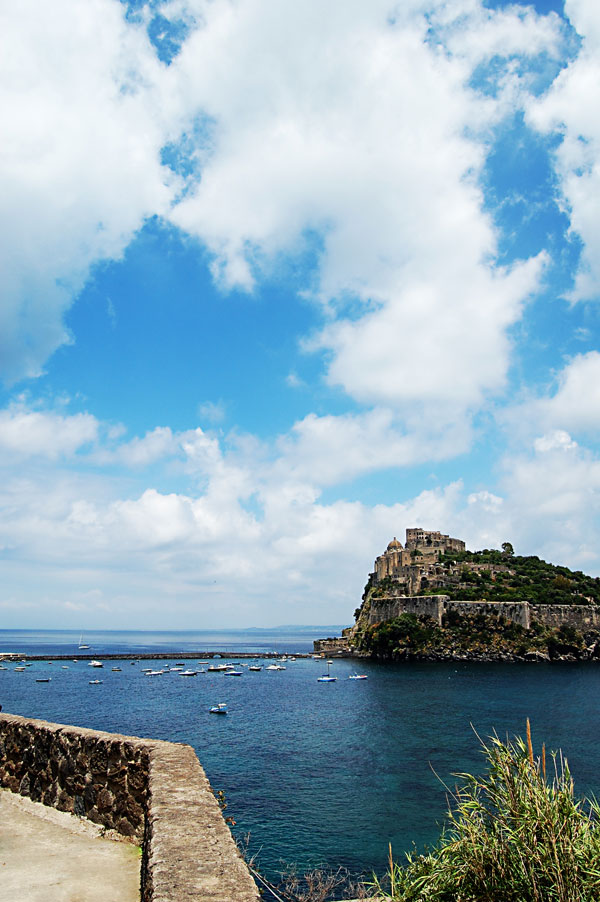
(281, 280)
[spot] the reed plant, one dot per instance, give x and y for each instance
(515, 834)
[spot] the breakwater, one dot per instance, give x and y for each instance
(154, 793)
(147, 656)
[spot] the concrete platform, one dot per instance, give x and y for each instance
(49, 856)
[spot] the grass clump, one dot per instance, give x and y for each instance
(516, 834)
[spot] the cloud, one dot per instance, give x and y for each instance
(329, 450)
(559, 439)
(83, 124)
(568, 110)
(574, 406)
(558, 486)
(248, 533)
(376, 147)
(250, 537)
(156, 445)
(212, 411)
(441, 343)
(27, 433)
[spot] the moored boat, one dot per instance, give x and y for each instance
(326, 677)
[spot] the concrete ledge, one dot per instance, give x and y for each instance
(152, 792)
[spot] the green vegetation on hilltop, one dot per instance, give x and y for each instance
(528, 579)
(514, 835)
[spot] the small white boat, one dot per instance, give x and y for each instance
(274, 667)
(116, 669)
(43, 679)
(255, 667)
(357, 676)
(154, 672)
(81, 643)
(19, 669)
(326, 677)
(221, 708)
(234, 673)
(64, 667)
(94, 682)
(95, 664)
(188, 673)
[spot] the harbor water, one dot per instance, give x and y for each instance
(314, 774)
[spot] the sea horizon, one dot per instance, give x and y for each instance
(284, 639)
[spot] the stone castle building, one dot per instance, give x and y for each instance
(415, 566)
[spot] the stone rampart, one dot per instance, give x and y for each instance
(331, 646)
(154, 793)
(389, 606)
(517, 611)
(580, 616)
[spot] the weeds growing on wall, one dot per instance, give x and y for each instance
(517, 834)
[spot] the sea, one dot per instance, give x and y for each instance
(315, 774)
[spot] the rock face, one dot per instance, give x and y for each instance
(154, 793)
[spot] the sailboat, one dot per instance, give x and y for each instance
(81, 646)
(326, 677)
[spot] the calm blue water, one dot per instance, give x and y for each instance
(321, 773)
(59, 642)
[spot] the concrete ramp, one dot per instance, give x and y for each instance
(50, 856)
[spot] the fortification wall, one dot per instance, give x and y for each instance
(581, 617)
(390, 606)
(518, 612)
(155, 793)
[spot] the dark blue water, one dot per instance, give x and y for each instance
(322, 773)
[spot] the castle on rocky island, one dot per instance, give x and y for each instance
(411, 579)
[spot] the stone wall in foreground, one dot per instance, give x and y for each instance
(154, 793)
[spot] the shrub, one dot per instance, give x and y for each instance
(512, 836)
